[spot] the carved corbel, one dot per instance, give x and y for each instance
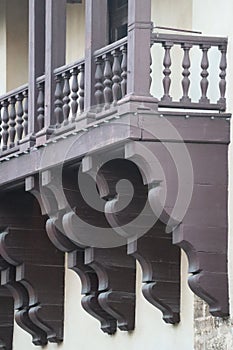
(85, 226)
(35, 272)
(58, 196)
(88, 277)
(116, 283)
(131, 215)
(194, 209)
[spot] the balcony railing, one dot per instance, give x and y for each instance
(111, 74)
(110, 86)
(13, 118)
(168, 41)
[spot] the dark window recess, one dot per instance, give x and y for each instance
(118, 19)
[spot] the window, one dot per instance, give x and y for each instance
(118, 19)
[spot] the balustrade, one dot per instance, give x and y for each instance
(186, 42)
(69, 93)
(13, 118)
(111, 86)
(110, 74)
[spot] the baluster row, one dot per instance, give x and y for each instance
(186, 64)
(69, 96)
(13, 120)
(110, 78)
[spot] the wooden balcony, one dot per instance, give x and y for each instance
(101, 119)
(110, 89)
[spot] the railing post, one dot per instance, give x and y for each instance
(139, 43)
(96, 37)
(36, 63)
(55, 47)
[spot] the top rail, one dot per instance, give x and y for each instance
(191, 39)
(111, 47)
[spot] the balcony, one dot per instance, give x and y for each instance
(149, 109)
(110, 88)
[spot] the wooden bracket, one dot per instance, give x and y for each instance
(33, 269)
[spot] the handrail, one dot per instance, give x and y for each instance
(14, 92)
(70, 66)
(191, 39)
(111, 47)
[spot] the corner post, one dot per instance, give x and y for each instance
(96, 37)
(36, 62)
(55, 51)
(139, 43)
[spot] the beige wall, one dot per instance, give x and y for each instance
(14, 40)
(17, 43)
(75, 32)
(2, 46)
(13, 44)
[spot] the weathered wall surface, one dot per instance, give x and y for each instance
(211, 333)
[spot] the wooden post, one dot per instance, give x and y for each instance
(139, 42)
(96, 37)
(55, 50)
(36, 62)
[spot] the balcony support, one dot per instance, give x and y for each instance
(96, 37)
(55, 45)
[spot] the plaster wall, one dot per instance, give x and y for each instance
(16, 43)
(75, 32)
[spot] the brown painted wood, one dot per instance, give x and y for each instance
(96, 37)
(139, 33)
(55, 46)
(36, 57)
(37, 278)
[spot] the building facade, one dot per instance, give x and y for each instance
(115, 181)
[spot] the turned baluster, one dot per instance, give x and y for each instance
(5, 125)
(186, 73)
(204, 74)
(167, 64)
(19, 119)
(40, 105)
(66, 99)
(12, 121)
(74, 95)
(107, 81)
(25, 115)
(116, 79)
(99, 85)
(81, 88)
(124, 71)
(58, 101)
(222, 75)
